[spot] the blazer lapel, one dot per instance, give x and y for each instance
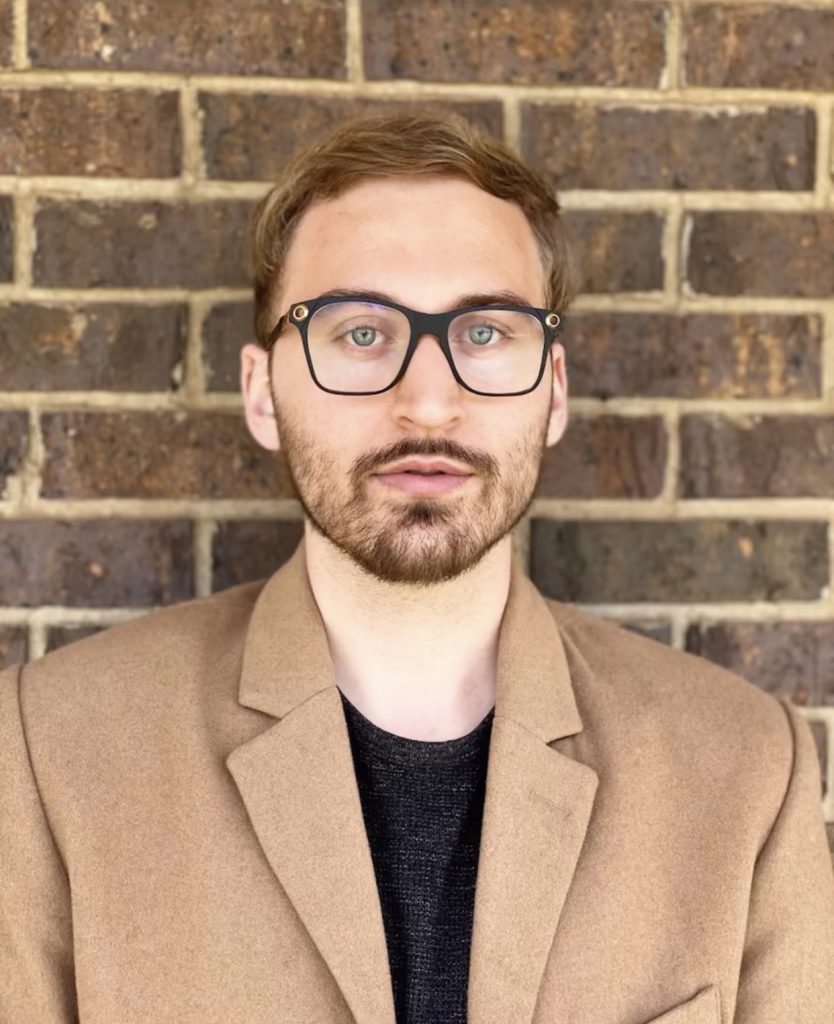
(299, 787)
(298, 784)
(536, 813)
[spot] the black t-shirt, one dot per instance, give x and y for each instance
(422, 802)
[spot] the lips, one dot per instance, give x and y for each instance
(425, 467)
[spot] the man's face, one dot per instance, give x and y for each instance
(425, 243)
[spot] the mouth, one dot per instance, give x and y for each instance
(424, 480)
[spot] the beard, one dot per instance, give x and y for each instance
(406, 539)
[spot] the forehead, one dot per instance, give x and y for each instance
(421, 240)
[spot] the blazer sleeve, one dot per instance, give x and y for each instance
(37, 984)
(787, 969)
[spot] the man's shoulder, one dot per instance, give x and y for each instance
(189, 643)
(635, 693)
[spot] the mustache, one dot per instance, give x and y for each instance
(478, 460)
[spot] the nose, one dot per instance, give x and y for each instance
(428, 394)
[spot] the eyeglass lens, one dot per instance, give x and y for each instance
(360, 346)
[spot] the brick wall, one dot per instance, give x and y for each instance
(694, 495)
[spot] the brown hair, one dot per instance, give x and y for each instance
(424, 142)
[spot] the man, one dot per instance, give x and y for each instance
(393, 782)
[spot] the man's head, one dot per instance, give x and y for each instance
(423, 210)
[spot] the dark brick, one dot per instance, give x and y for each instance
(241, 141)
(95, 347)
(6, 32)
(760, 253)
(765, 45)
(788, 659)
(95, 562)
(757, 456)
(107, 243)
(244, 550)
(659, 631)
(684, 561)
(582, 146)
(226, 329)
(157, 455)
(13, 645)
(606, 457)
(13, 436)
(6, 238)
(617, 252)
(60, 636)
(254, 37)
(106, 132)
(696, 356)
(820, 734)
(536, 42)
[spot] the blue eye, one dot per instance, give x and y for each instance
(481, 334)
(364, 336)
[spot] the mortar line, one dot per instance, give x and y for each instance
(661, 509)
(199, 400)
(512, 122)
(23, 242)
(671, 78)
(669, 491)
(204, 531)
(691, 96)
(828, 356)
(193, 188)
(670, 248)
(20, 35)
(45, 509)
(354, 43)
(194, 391)
(192, 169)
(710, 613)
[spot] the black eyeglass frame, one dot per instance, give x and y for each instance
(435, 324)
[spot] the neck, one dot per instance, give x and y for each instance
(417, 661)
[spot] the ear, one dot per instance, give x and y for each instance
(558, 421)
(257, 396)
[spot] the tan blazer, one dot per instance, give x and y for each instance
(182, 838)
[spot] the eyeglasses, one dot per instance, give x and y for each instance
(357, 346)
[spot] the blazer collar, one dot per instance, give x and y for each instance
(286, 657)
(297, 782)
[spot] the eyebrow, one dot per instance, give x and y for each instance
(500, 298)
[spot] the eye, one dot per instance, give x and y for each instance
(481, 334)
(363, 336)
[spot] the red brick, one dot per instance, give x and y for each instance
(736, 253)
(95, 562)
(157, 455)
(693, 356)
(129, 133)
(241, 142)
(96, 347)
(574, 42)
(6, 238)
(6, 32)
(226, 328)
(583, 146)
(749, 45)
(13, 645)
(616, 252)
(606, 457)
(245, 550)
(788, 659)
(13, 435)
(606, 562)
(107, 243)
(757, 456)
(60, 636)
(254, 37)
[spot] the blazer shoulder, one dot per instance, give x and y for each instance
(691, 716)
(191, 641)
